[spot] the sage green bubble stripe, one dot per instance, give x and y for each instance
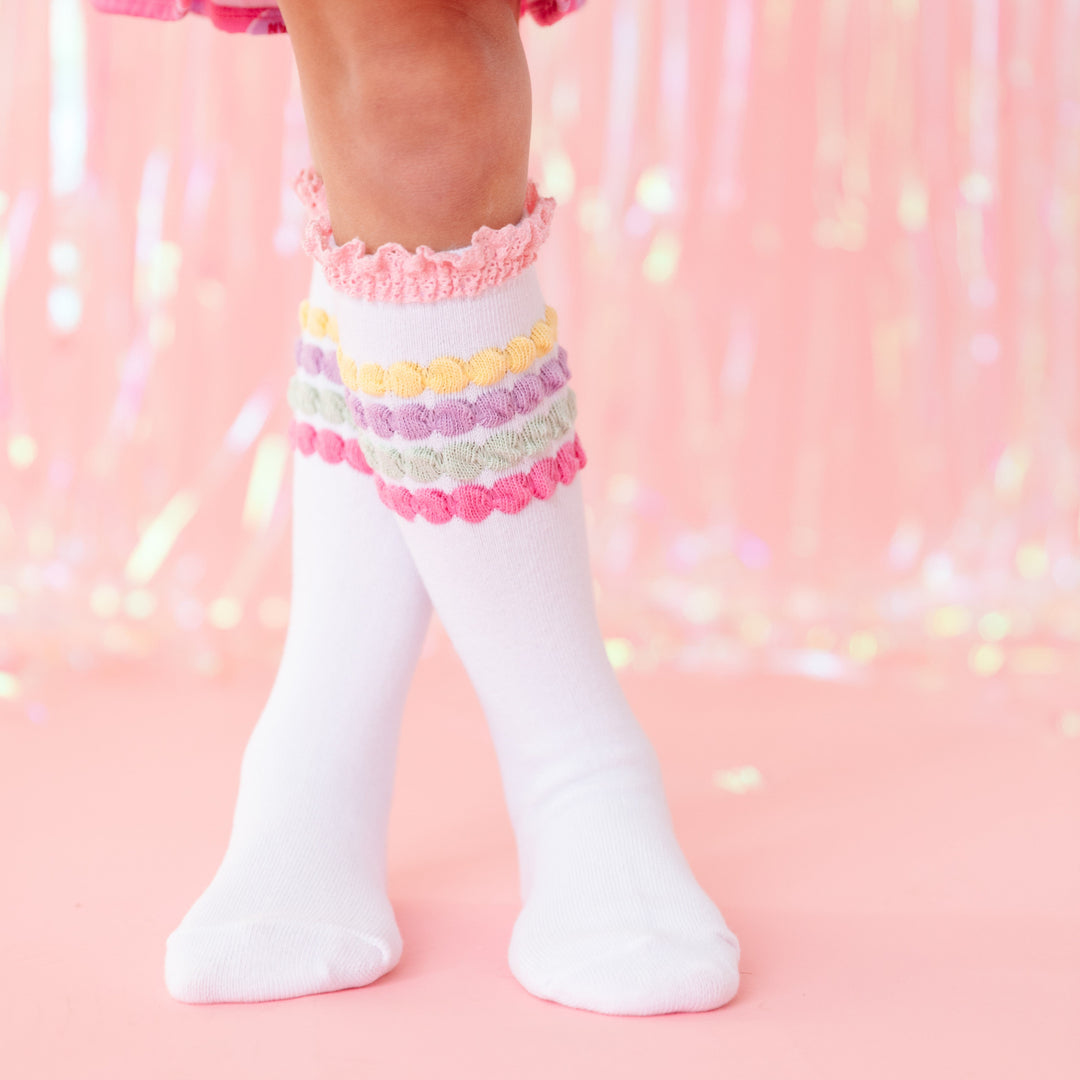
(319, 401)
(464, 460)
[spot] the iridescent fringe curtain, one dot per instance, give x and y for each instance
(817, 267)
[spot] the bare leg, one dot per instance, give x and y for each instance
(418, 114)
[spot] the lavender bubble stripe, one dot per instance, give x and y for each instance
(318, 361)
(454, 416)
(459, 460)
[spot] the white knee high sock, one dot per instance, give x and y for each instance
(613, 918)
(459, 405)
(299, 903)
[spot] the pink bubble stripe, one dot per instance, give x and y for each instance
(470, 502)
(473, 502)
(329, 445)
(393, 273)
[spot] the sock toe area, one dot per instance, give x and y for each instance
(264, 960)
(644, 973)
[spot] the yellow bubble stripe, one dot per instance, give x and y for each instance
(316, 322)
(445, 375)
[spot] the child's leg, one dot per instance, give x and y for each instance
(459, 391)
(418, 115)
(299, 903)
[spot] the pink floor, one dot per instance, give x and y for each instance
(906, 892)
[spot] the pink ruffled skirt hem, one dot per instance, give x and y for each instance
(239, 18)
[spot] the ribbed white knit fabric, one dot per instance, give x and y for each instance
(299, 903)
(613, 918)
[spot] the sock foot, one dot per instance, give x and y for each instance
(625, 973)
(257, 960)
(629, 970)
(614, 920)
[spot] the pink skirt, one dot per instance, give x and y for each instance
(255, 19)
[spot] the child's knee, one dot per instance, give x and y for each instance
(440, 81)
(422, 103)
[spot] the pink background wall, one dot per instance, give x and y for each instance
(835, 247)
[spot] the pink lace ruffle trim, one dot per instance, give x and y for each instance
(470, 502)
(394, 274)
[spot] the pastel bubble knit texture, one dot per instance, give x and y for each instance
(456, 416)
(513, 388)
(470, 502)
(444, 374)
(460, 459)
